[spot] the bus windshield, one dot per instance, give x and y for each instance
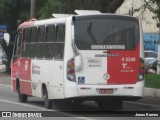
(106, 33)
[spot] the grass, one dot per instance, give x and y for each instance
(152, 81)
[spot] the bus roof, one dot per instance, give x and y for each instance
(40, 22)
(61, 18)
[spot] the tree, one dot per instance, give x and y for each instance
(13, 12)
(114, 5)
(68, 6)
(151, 5)
(154, 6)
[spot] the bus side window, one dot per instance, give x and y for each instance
(17, 46)
(60, 33)
(40, 43)
(32, 42)
(58, 51)
(49, 44)
(25, 40)
(59, 44)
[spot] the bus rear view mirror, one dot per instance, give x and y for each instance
(6, 37)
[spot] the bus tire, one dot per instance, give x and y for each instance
(47, 102)
(22, 97)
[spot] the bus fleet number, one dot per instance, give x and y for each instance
(128, 59)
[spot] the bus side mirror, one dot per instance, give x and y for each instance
(6, 37)
(78, 63)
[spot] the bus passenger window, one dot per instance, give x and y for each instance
(59, 44)
(40, 43)
(48, 50)
(50, 33)
(50, 38)
(31, 45)
(17, 46)
(25, 40)
(60, 30)
(33, 34)
(25, 35)
(58, 51)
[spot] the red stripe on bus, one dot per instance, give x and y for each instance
(123, 69)
(21, 69)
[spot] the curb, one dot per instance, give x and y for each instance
(151, 92)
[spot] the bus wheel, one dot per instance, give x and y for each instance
(22, 97)
(47, 102)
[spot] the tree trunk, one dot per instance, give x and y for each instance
(33, 9)
(114, 5)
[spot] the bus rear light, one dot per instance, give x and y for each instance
(141, 65)
(71, 70)
(70, 65)
(141, 70)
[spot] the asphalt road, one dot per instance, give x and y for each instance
(5, 79)
(88, 110)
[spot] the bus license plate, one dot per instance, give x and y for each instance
(105, 91)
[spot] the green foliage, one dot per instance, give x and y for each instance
(152, 81)
(68, 6)
(13, 12)
(50, 7)
(154, 7)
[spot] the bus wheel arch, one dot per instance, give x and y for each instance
(47, 102)
(22, 97)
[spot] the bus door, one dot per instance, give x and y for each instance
(15, 65)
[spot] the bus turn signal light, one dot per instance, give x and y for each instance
(71, 65)
(141, 70)
(70, 70)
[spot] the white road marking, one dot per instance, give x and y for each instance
(26, 105)
(4, 85)
(84, 118)
(44, 109)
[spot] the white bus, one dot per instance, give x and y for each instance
(96, 57)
